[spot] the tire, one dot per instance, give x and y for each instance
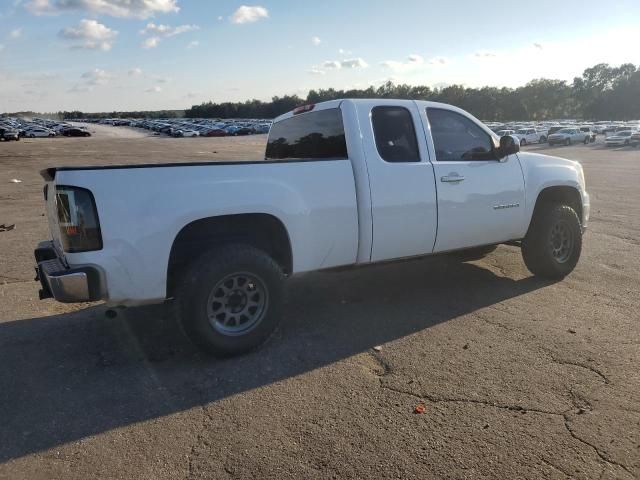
(586, 140)
(543, 139)
(523, 142)
(568, 142)
(551, 249)
(470, 254)
(238, 274)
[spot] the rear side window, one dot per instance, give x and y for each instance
(395, 134)
(307, 136)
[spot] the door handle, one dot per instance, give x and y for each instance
(452, 178)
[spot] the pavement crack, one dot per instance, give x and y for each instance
(555, 467)
(600, 454)
(586, 366)
(487, 403)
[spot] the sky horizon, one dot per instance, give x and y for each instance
(124, 55)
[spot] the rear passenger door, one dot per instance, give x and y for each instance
(481, 199)
(401, 179)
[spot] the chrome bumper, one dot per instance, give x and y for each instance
(66, 285)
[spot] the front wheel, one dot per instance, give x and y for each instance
(523, 142)
(230, 300)
(551, 249)
(586, 140)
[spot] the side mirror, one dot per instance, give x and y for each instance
(508, 146)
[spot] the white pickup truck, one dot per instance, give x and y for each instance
(343, 183)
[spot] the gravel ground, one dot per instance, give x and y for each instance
(519, 378)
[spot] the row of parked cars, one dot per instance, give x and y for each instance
(17, 128)
(181, 127)
(569, 132)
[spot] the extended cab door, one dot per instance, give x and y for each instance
(481, 199)
(402, 184)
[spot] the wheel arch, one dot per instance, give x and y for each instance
(260, 230)
(565, 194)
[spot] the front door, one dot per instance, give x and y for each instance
(481, 199)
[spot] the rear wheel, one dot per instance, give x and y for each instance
(567, 142)
(542, 139)
(523, 142)
(230, 300)
(552, 246)
(586, 140)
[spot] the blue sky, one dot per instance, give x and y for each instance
(101, 55)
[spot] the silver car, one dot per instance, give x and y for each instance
(568, 136)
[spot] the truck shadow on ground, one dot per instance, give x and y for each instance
(67, 377)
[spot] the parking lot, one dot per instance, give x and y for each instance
(520, 378)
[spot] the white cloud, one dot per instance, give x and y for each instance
(316, 41)
(115, 8)
(354, 63)
(346, 63)
(247, 14)
(220, 18)
(151, 42)
(316, 71)
(439, 61)
(135, 72)
(332, 64)
(96, 77)
(15, 33)
(91, 35)
(342, 51)
(485, 54)
(413, 62)
(155, 89)
(193, 44)
(167, 30)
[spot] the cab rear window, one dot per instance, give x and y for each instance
(313, 135)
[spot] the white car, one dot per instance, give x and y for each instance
(568, 136)
(343, 183)
(619, 138)
(39, 132)
(502, 133)
(531, 135)
(186, 133)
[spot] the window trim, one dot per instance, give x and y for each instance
(433, 143)
(413, 127)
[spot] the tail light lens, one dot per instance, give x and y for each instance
(78, 220)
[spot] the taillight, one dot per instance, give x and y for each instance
(78, 220)
(303, 109)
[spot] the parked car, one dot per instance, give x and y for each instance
(531, 135)
(568, 136)
(502, 133)
(591, 132)
(9, 134)
(214, 132)
(221, 238)
(39, 132)
(75, 132)
(185, 133)
(635, 139)
(620, 138)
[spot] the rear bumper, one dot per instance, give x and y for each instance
(65, 284)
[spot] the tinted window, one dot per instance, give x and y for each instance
(309, 135)
(395, 135)
(456, 137)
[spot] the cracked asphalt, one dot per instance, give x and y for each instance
(520, 378)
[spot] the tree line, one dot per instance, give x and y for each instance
(602, 92)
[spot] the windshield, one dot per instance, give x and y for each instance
(566, 130)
